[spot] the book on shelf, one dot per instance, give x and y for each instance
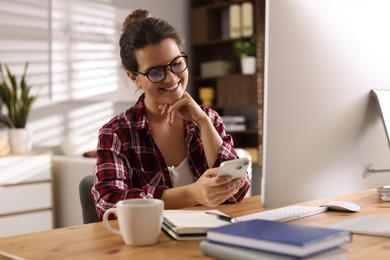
(278, 237)
(190, 224)
(247, 19)
(235, 127)
(225, 28)
(234, 123)
(235, 21)
(233, 119)
(225, 252)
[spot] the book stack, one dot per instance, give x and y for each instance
(234, 123)
(259, 239)
(216, 68)
(384, 192)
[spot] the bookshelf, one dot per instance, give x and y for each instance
(214, 64)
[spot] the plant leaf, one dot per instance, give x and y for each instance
(5, 120)
(16, 97)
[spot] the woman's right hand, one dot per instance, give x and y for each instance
(211, 191)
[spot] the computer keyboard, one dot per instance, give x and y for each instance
(284, 214)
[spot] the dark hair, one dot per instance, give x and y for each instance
(139, 30)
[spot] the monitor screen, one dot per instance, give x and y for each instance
(322, 125)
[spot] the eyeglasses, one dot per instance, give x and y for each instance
(159, 73)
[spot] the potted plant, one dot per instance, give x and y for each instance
(246, 49)
(16, 97)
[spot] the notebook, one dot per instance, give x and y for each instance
(190, 224)
(220, 251)
(277, 237)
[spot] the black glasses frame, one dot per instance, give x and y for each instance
(164, 68)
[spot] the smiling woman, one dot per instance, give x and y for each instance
(164, 146)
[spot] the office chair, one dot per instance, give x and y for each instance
(87, 203)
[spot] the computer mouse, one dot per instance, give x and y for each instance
(341, 206)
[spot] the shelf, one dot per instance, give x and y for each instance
(247, 131)
(235, 94)
(200, 79)
(216, 4)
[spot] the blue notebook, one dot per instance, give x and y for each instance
(230, 252)
(282, 238)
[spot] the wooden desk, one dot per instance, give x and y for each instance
(92, 241)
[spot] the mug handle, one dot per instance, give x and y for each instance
(106, 223)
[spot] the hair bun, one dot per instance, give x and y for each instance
(133, 17)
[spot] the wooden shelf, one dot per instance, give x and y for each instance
(235, 93)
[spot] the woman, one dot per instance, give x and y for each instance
(166, 146)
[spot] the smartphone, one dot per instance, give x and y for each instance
(235, 168)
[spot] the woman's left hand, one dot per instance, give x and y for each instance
(186, 108)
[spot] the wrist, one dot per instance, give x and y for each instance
(203, 122)
(191, 194)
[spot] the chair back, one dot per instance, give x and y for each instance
(87, 203)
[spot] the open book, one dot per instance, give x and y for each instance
(190, 224)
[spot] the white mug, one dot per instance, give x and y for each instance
(139, 220)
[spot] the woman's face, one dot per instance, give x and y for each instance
(172, 87)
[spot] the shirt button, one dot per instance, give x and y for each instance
(192, 130)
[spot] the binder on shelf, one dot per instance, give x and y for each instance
(225, 24)
(235, 21)
(247, 19)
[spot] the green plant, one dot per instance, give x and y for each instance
(16, 98)
(245, 47)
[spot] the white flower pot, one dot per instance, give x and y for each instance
(248, 65)
(20, 140)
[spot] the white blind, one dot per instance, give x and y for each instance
(72, 47)
(24, 38)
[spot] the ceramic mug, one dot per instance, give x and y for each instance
(139, 220)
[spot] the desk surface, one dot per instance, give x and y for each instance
(92, 241)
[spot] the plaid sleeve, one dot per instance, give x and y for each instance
(115, 180)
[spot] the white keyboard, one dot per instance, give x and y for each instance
(284, 214)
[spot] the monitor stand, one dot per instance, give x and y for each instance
(383, 98)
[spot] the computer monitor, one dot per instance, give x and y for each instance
(322, 125)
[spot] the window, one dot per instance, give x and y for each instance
(72, 47)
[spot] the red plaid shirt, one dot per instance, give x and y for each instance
(130, 165)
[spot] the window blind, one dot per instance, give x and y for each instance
(72, 47)
(24, 38)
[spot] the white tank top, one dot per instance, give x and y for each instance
(182, 174)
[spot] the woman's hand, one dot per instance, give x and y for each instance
(186, 108)
(210, 190)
